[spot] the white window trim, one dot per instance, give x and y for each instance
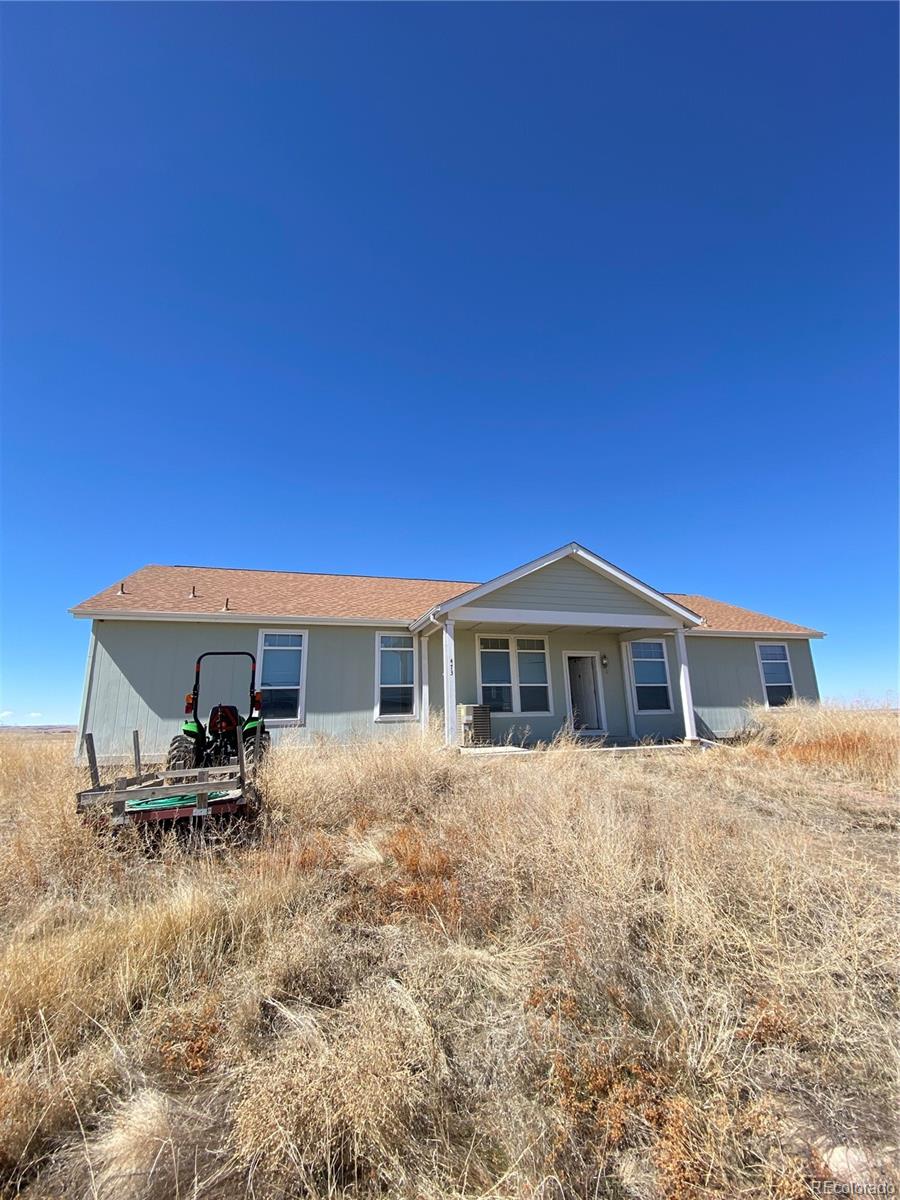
(601, 699)
(300, 719)
(514, 639)
(762, 675)
(649, 712)
(392, 718)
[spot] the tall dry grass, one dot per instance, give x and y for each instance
(567, 974)
(847, 744)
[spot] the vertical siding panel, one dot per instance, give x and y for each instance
(141, 671)
(725, 673)
(567, 585)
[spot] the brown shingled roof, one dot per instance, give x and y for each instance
(157, 590)
(721, 617)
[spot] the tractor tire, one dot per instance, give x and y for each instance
(181, 756)
(265, 743)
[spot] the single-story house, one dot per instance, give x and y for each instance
(568, 640)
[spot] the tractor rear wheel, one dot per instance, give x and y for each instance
(181, 756)
(265, 742)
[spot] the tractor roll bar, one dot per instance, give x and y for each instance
(195, 697)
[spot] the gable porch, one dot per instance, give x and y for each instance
(622, 675)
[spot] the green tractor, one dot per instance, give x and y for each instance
(215, 745)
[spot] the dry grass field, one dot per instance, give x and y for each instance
(567, 974)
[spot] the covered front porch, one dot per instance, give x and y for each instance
(624, 680)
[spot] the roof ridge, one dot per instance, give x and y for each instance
(323, 574)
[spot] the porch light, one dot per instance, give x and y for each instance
(604, 661)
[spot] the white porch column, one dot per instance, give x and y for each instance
(425, 710)
(626, 681)
(684, 682)
(450, 734)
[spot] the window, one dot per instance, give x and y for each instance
(281, 662)
(650, 672)
(775, 669)
(496, 674)
(531, 668)
(513, 675)
(395, 698)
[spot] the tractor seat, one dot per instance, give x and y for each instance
(224, 718)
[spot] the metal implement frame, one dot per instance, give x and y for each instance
(200, 791)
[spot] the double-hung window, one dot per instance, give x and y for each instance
(395, 698)
(513, 674)
(532, 676)
(281, 663)
(650, 672)
(775, 669)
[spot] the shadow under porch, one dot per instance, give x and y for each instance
(543, 678)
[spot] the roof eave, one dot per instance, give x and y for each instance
(799, 634)
(234, 618)
(427, 618)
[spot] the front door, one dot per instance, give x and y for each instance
(584, 706)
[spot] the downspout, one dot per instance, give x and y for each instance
(429, 618)
(422, 634)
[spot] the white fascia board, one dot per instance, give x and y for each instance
(551, 617)
(593, 561)
(775, 636)
(485, 589)
(632, 584)
(429, 618)
(233, 618)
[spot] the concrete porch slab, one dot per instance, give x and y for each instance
(592, 746)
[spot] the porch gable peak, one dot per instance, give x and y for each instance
(677, 614)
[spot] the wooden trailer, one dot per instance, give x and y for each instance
(160, 794)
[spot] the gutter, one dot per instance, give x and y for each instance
(234, 618)
(428, 618)
(417, 626)
(772, 635)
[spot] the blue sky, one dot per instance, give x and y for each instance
(431, 289)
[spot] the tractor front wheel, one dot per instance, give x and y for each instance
(181, 756)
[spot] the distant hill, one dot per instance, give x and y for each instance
(36, 729)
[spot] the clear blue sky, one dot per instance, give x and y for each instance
(432, 289)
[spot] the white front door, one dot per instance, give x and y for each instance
(584, 696)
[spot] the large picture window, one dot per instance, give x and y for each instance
(281, 664)
(396, 677)
(513, 675)
(650, 673)
(775, 669)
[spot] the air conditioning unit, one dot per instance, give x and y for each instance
(474, 724)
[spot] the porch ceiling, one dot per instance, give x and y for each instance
(543, 627)
(558, 618)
